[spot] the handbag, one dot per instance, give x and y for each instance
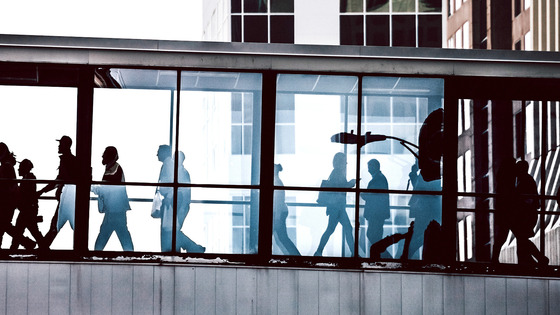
(156, 205)
(325, 197)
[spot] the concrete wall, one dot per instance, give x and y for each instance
(128, 288)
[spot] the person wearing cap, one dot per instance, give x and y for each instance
(28, 206)
(65, 193)
(113, 202)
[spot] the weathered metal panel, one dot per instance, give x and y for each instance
(59, 289)
(432, 289)
(412, 294)
(454, 295)
(121, 300)
(371, 289)
(391, 293)
(553, 294)
(17, 289)
(143, 290)
(288, 302)
(184, 290)
(350, 293)
(267, 291)
(38, 289)
(308, 292)
(226, 280)
(516, 296)
(495, 289)
(3, 287)
(329, 292)
(475, 296)
(205, 290)
(167, 290)
(537, 296)
(101, 289)
(246, 291)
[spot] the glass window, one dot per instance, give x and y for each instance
(255, 6)
(377, 30)
(282, 29)
(33, 119)
(404, 6)
(311, 137)
(219, 130)
(283, 6)
(429, 31)
(351, 30)
(351, 6)
(142, 103)
(255, 29)
(429, 5)
(236, 28)
(377, 6)
(235, 6)
(404, 30)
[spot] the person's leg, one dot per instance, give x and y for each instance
(18, 230)
(417, 240)
(500, 236)
(347, 230)
(331, 226)
(283, 238)
(121, 228)
(105, 232)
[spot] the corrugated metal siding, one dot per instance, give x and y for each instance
(80, 288)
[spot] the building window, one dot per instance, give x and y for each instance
(262, 21)
(408, 23)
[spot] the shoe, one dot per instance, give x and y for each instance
(198, 249)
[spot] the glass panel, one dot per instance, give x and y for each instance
(282, 29)
(126, 210)
(255, 29)
(284, 6)
(395, 109)
(255, 6)
(33, 119)
(312, 228)
(311, 137)
(219, 129)
(377, 30)
(429, 31)
(223, 220)
(235, 6)
(404, 6)
(236, 28)
(385, 222)
(429, 5)
(351, 6)
(351, 30)
(377, 6)
(404, 30)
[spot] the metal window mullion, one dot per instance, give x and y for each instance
(175, 167)
(544, 149)
(358, 153)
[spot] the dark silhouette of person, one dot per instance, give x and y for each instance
(113, 202)
(280, 214)
(503, 205)
(423, 208)
(376, 209)
(28, 206)
(336, 209)
(525, 216)
(183, 204)
(183, 207)
(65, 193)
(8, 199)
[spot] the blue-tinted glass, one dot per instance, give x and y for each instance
(283, 6)
(351, 6)
(429, 5)
(255, 6)
(377, 5)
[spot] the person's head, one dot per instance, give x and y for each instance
(339, 160)
(164, 152)
(110, 156)
(64, 144)
(181, 157)
(4, 151)
(522, 167)
(373, 166)
(25, 167)
(277, 169)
